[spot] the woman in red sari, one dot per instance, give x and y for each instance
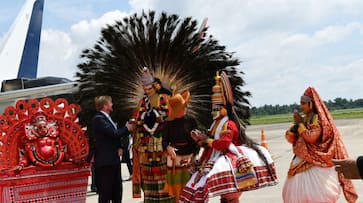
(315, 141)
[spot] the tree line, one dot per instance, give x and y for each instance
(336, 104)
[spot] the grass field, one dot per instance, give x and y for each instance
(281, 118)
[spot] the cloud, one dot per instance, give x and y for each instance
(279, 65)
(68, 10)
(285, 45)
(58, 54)
(60, 51)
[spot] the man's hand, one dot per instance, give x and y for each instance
(130, 126)
(120, 152)
(348, 167)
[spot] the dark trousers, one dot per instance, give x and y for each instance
(93, 184)
(126, 159)
(108, 179)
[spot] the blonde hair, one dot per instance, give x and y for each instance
(100, 101)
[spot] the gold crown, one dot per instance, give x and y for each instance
(222, 90)
(217, 97)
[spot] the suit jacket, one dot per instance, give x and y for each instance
(107, 140)
(360, 165)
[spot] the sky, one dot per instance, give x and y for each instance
(284, 45)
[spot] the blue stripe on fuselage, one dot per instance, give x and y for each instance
(29, 60)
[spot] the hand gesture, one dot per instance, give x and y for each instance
(297, 117)
(198, 136)
(130, 126)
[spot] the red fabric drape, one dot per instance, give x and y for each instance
(330, 146)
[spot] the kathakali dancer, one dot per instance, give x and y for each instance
(149, 171)
(316, 141)
(178, 143)
(224, 168)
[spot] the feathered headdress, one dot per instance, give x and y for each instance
(175, 50)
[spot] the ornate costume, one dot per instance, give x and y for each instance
(177, 142)
(179, 52)
(149, 158)
(42, 145)
(315, 140)
(224, 168)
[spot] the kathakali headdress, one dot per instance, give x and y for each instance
(222, 93)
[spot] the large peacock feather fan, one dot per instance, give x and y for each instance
(177, 51)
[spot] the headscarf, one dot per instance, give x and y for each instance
(330, 146)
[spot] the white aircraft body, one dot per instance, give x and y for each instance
(19, 60)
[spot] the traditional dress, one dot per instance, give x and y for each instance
(149, 159)
(224, 168)
(311, 177)
(177, 140)
(177, 135)
(215, 175)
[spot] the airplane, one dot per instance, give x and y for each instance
(19, 55)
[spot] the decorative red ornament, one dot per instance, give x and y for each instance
(3, 122)
(10, 113)
(41, 133)
(21, 106)
(33, 137)
(61, 105)
(33, 106)
(47, 104)
(73, 110)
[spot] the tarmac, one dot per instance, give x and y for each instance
(350, 129)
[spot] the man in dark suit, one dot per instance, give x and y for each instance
(108, 151)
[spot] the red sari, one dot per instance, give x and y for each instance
(320, 152)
